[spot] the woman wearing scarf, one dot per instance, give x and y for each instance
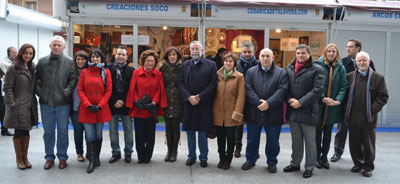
(170, 68)
(146, 100)
(333, 94)
(94, 91)
(228, 108)
(81, 59)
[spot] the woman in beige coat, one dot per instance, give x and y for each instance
(228, 108)
(20, 102)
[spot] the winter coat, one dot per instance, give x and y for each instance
(349, 64)
(126, 74)
(243, 66)
(197, 79)
(20, 99)
(150, 83)
(338, 91)
(379, 97)
(6, 64)
(229, 100)
(271, 86)
(306, 87)
(170, 73)
(56, 79)
(92, 91)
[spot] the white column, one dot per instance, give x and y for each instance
(135, 49)
(266, 37)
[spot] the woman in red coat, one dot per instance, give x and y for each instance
(146, 81)
(94, 91)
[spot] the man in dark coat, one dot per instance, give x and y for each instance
(353, 47)
(197, 83)
(218, 57)
(246, 61)
(266, 88)
(121, 74)
(306, 83)
(367, 94)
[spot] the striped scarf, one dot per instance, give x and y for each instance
(351, 95)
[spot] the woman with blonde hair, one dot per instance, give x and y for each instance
(332, 96)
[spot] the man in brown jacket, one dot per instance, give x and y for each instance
(367, 94)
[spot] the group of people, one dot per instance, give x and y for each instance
(313, 95)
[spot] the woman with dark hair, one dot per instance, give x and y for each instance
(170, 68)
(20, 101)
(146, 100)
(94, 91)
(81, 59)
(331, 111)
(228, 108)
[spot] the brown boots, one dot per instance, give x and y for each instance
(21, 146)
(172, 143)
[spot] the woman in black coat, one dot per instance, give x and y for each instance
(170, 68)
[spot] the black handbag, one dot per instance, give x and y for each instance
(143, 101)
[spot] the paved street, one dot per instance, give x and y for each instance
(387, 167)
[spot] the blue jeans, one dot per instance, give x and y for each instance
(93, 131)
(52, 116)
(203, 145)
(128, 135)
(272, 147)
(78, 132)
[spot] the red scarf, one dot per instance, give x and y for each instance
(298, 66)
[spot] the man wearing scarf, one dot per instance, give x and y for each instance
(246, 61)
(4, 65)
(56, 79)
(121, 75)
(197, 84)
(306, 83)
(367, 94)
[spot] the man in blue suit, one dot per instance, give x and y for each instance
(353, 48)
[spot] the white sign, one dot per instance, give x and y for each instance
(372, 16)
(128, 39)
(263, 12)
(143, 9)
(144, 40)
(3, 8)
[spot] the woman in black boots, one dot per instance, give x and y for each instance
(20, 102)
(170, 68)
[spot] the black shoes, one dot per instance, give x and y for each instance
(325, 164)
(307, 174)
(272, 168)
(355, 169)
(336, 157)
(190, 161)
(221, 163)
(128, 159)
(114, 158)
(318, 164)
(248, 165)
(291, 168)
(203, 163)
(367, 173)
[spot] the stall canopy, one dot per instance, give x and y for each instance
(308, 3)
(371, 5)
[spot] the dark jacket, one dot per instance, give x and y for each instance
(379, 97)
(243, 66)
(198, 79)
(170, 73)
(58, 77)
(218, 61)
(306, 87)
(349, 64)
(338, 92)
(126, 74)
(20, 99)
(271, 86)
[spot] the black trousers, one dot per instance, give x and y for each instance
(362, 147)
(145, 131)
(340, 138)
(226, 139)
(239, 135)
(323, 140)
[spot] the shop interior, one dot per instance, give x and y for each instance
(109, 37)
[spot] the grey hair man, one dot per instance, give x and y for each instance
(56, 79)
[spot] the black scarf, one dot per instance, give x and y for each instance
(119, 83)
